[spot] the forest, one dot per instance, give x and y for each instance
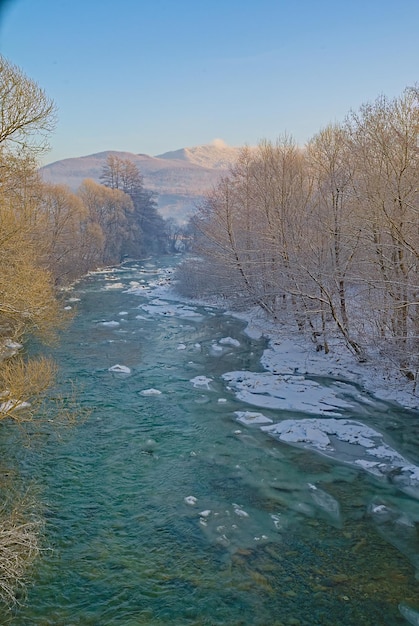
(325, 235)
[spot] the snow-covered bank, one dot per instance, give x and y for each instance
(290, 352)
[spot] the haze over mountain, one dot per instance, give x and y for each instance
(180, 178)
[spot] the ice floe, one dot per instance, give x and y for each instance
(202, 382)
(171, 309)
(191, 500)
(110, 324)
(238, 509)
(137, 288)
(229, 341)
(123, 369)
(150, 392)
(351, 442)
(289, 392)
(251, 417)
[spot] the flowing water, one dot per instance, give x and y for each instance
(161, 509)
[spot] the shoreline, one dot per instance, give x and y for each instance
(290, 352)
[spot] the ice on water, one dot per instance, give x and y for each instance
(201, 382)
(252, 417)
(110, 324)
(150, 392)
(364, 447)
(123, 369)
(287, 392)
(168, 309)
(229, 341)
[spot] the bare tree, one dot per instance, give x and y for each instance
(383, 139)
(27, 115)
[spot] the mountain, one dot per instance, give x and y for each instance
(180, 178)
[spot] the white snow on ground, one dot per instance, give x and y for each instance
(13, 404)
(290, 352)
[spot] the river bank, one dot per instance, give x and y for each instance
(288, 347)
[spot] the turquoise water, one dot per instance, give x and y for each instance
(124, 547)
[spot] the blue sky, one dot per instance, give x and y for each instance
(157, 75)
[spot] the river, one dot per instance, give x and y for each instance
(161, 508)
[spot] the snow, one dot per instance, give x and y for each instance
(249, 417)
(14, 405)
(289, 352)
(9, 348)
(201, 382)
(293, 393)
(238, 509)
(123, 369)
(362, 442)
(229, 341)
(317, 432)
(170, 309)
(150, 392)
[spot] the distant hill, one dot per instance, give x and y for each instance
(180, 178)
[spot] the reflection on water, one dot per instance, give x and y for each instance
(161, 508)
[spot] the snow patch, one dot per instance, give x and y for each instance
(201, 382)
(123, 369)
(229, 341)
(249, 417)
(150, 392)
